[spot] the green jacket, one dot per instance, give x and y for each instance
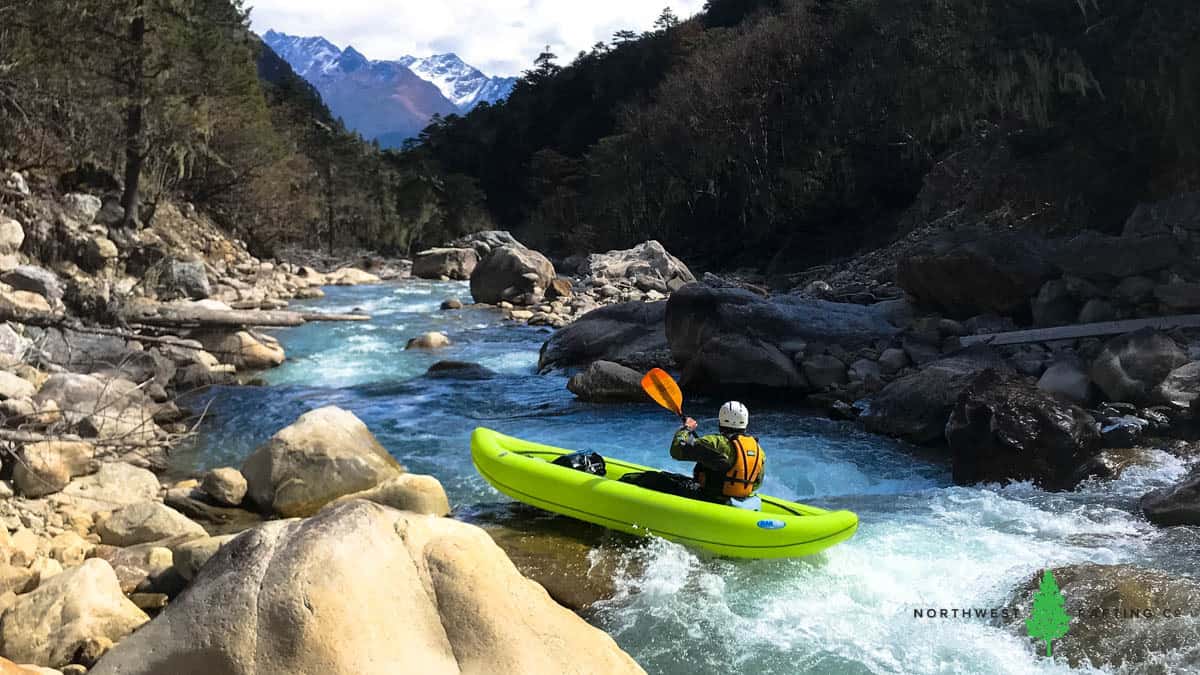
(713, 455)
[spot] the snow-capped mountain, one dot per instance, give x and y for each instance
(464, 85)
(387, 100)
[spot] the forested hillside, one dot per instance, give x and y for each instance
(780, 134)
(153, 99)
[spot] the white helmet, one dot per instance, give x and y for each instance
(734, 415)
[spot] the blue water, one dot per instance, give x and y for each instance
(922, 541)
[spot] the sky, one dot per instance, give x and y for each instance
(500, 37)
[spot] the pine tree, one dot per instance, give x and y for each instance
(1049, 620)
(667, 20)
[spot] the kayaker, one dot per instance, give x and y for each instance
(729, 464)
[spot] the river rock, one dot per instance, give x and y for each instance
(191, 557)
(82, 207)
(455, 263)
(12, 386)
(1004, 428)
(409, 492)
(80, 606)
(1067, 379)
(607, 382)
(513, 274)
(459, 370)
(22, 304)
(46, 468)
(1178, 504)
(9, 668)
(648, 265)
(1055, 305)
(1179, 296)
(567, 558)
(226, 486)
(114, 486)
(451, 304)
(1093, 255)
(215, 518)
(974, 272)
(892, 361)
(325, 454)
(824, 371)
(37, 280)
(1097, 310)
(244, 350)
(1104, 633)
(351, 276)
(12, 235)
(1181, 386)
(631, 334)
(186, 279)
(916, 406)
(428, 341)
(485, 242)
(315, 582)
(105, 408)
(729, 336)
(146, 522)
(1131, 367)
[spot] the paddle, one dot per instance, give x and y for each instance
(661, 387)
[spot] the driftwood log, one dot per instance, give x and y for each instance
(1084, 330)
(186, 317)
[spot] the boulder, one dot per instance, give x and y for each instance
(1131, 367)
(1122, 431)
(244, 350)
(455, 263)
(607, 382)
(1179, 296)
(916, 406)
(12, 386)
(824, 371)
(408, 492)
(91, 354)
(103, 408)
(892, 361)
(1178, 212)
(429, 341)
(66, 614)
(12, 235)
(226, 486)
(146, 522)
(191, 557)
(111, 213)
(215, 518)
(1004, 428)
(1134, 291)
(35, 279)
(729, 336)
(647, 265)
(1181, 386)
(1092, 255)
(1055, 305)
(631, 334)
(569, 560)
(485, 242)
(325, 454)
(559, 289)
(186, 279)
(82, 207)
(98, 253)
(865, 370)
(314, 583)
(1178, 504)
(512, 274)
(1097, 310)
(114, 486)
(459, 370)
(1120, 620)
(46, 468)
(351, 276)
(22, 305)
(977, 272)
(451, 304)
(1069, 380)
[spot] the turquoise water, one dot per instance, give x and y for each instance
(922, 542)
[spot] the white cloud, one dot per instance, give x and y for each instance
(501, 37)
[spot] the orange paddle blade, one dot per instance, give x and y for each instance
(664, 390)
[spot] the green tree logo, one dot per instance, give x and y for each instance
(1049, 620)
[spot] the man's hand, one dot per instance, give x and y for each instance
(690, 424)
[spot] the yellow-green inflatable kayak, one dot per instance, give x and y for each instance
(780, 529)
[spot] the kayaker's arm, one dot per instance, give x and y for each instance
(706, 451)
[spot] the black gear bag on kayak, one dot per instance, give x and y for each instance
(587, 462)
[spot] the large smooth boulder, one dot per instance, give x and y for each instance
(1092, 255)
(1123, 618)
(730, 336)
(305, 597)
(90, 354)
(104, 408)
(1131, 367)
(485, 242)
(37, 280)
(12, 386)
(409, 492)
(325, 454)
(351, 276)
(73, 611)
(114, 486)
(973, 272)
(1181, 386)
(632, 334)
(1004, 428)
(432, 340)
(513, 274)
(12, 235)
(186, 279)
(244, 350)
(648, 266)
(916, 406)
(82, 207)
(146, 522)
(226, 486)
(607, 382)
(571, 562)
(1069, 380)
(48, 467)
(459, 370)
(1178, 504)
(455, 263)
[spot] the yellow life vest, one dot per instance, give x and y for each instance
(746, 470)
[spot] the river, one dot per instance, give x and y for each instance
(923, 542)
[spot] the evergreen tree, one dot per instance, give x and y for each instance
(1048, 620)
(667, 20)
